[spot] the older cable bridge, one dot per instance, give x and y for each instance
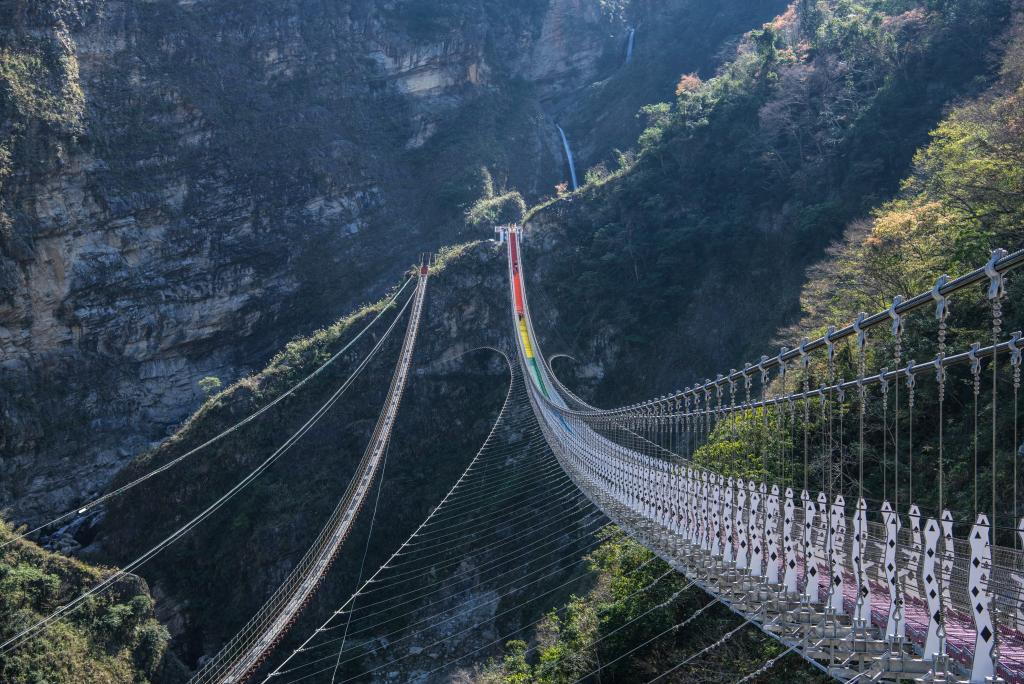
(251, 645)
(246, 651)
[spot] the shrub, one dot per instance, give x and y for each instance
(210, 385)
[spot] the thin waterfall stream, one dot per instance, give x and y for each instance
(569, 158)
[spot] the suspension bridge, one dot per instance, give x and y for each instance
(861, 587)
(856, 592)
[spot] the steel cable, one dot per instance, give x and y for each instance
(515, 381)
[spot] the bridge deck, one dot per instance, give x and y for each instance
(695, 563)
(681, 512)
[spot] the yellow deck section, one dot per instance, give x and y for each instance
(527, 347)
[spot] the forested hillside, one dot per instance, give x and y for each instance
(815, 123)
(963, 198)
(745, 179)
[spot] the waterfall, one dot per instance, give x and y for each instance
(629, 45)
(568, 156)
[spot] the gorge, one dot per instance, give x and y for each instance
(195, 190)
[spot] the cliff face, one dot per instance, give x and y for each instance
(185, 185)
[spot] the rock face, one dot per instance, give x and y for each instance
(561, 57)
(454, 395)
(185, 185)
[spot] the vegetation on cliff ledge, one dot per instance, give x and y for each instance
(112, 638)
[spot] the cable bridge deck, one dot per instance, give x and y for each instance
(862, 589)
(241, 656)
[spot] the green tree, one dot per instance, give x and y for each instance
(499, 210)
(210, 385)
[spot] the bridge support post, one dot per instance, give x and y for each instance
(860, 564)
(981, 598)
(821, 546)
(895, 625)
(1018, 579)
(914, 566)
(756, 542)
(771, 535)
(810, 562)
(948, 556)
(741, 528)
(837, 530)
(705, 513)
(932, 646)
(696, 534)
(789, 510)
(727, 514)
(716, 508)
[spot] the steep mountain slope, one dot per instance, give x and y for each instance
(668, 39)
(152, 232)
(964, 198)
(186, 185)
(212, 581)
(647, 276)
(692, 257)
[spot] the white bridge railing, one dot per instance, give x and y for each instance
(872, 585)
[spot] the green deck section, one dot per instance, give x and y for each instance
(538, 377)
